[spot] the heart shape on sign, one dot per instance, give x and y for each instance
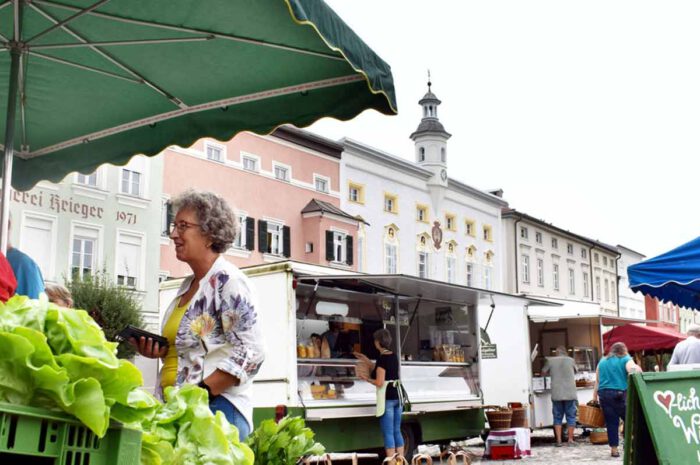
(664, 400)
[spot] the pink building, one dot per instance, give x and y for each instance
(284, 188)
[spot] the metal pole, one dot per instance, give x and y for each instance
(9, 147)
(397, 331)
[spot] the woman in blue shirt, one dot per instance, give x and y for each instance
(611, 389)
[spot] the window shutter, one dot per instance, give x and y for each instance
(249, 233)
(348, 250)
(286, 241)
(330, 253)
(262, 236)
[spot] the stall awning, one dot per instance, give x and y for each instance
(425, 289)
(671, 277)
(559, 309)
(638, 337)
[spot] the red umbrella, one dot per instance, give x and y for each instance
(638, 337)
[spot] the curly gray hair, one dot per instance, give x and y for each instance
(215, 216)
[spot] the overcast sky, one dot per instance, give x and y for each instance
(587, 114)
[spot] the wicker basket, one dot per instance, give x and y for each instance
(519, 418)
(599, 437)
(591, 416)
(499, 419)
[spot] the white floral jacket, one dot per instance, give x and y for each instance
(220, 329)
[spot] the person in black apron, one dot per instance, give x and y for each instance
(385, 377)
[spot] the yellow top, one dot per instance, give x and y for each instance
(168, 374)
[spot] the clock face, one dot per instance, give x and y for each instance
(443, 175)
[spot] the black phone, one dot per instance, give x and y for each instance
(132, 331)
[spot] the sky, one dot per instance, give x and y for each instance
(586, 114)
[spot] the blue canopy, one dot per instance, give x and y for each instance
(671, 277)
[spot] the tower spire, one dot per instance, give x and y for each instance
(429, 83)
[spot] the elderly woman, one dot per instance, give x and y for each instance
(212, 325)
(611, 389)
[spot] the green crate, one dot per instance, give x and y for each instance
(54, 438)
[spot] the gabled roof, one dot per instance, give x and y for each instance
(316, 205)
(512, 213)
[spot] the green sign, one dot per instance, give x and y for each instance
(663, 419)
(488, 351)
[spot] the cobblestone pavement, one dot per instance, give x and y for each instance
(544, 452)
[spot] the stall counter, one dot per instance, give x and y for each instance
(542, 405)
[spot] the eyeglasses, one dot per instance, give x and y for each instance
(182, 226)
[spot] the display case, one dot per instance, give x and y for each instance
(331, 381)
(585, 358)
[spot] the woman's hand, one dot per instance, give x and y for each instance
(148, 347)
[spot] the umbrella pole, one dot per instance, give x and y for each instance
(9, 148)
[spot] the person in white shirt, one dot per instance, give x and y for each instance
(687, 351)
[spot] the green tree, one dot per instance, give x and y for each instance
(112, 306)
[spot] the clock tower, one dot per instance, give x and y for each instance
(431, 146)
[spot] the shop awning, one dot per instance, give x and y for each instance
(638, 337)
(425, 289)
(671, 277)
(559, 309)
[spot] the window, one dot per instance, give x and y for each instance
(129, 253)
(214, 152)
(471, 252)
(555, 276)
(275, 236)
(84, 252)
(597, 288)
(451, 265)
(586, 284)
(584, 253)
(422, 213)
(526, 268)
(421, 154)
(470, 227)
(240, 242)
(443, 154)
(596, 257)
(166, 214)
(538, 237)
(488, 233)
(540, 272)
(390, 258)
(87, 179)
(555, 243)
(523, 233)
(487, 277)
(470, 274)
(570, 248)
(607, 291)
(450, 223)
(605, 261)
(613, 293)
(131, 182)
(339, 247)
(356, 193)
(390, 203)
(249, 163)
(281, 172)
(423, 265)
(572, 281)
(36, 240)
(322, 184)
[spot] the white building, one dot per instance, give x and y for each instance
(109, 220)
(631, 303)
(546, 261)
(421, 221)
(687, 317)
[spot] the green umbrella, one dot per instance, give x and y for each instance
(91, 82)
